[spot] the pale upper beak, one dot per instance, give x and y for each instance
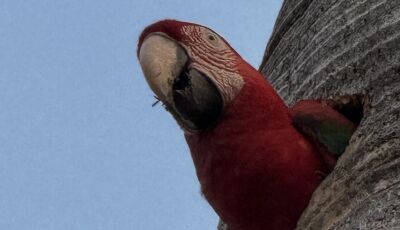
(162, 60)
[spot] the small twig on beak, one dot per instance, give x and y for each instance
(156, 102)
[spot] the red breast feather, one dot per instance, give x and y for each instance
(256, 170)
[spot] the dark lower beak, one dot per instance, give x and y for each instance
(196, 99)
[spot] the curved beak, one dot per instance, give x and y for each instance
(162, 59)
(188, 95)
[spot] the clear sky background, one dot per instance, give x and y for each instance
(80, 145)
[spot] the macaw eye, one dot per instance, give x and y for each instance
(212, 39)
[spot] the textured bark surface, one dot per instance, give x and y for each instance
(326, 48)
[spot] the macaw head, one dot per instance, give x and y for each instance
(191, 69)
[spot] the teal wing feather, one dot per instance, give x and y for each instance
(323, 124)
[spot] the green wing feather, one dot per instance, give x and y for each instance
(323, 124)
(334, 136)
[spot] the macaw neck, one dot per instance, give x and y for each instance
(257, 104)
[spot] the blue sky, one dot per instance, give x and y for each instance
(81, 146)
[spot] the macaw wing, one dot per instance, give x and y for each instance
(323, 124)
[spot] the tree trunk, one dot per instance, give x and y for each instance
(326, 48)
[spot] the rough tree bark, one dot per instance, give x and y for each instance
(326, 48)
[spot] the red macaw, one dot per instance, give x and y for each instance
(258, 161)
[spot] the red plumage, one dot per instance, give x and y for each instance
(255, 168)
(260, 162)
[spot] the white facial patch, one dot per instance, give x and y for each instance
(215, 59)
